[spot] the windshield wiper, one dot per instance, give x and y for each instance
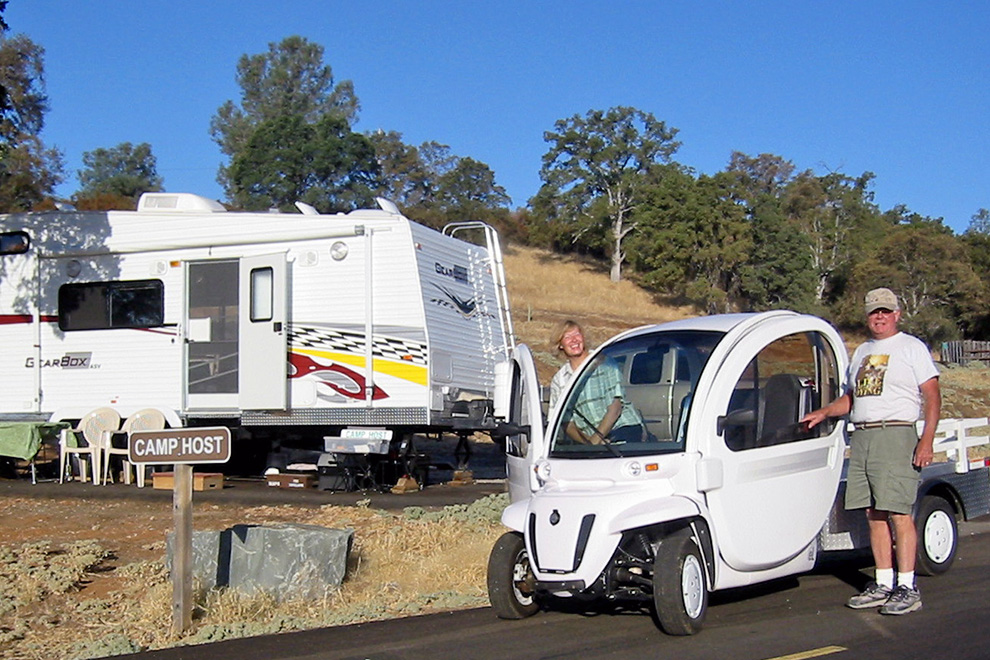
(605, 441)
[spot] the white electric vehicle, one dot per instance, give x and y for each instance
(706, 481)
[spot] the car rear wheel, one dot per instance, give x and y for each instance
(938, 535)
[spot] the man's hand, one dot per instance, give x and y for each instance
(837, 408)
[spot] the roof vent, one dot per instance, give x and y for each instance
(306, 209)
(387, 205)
(178, 202)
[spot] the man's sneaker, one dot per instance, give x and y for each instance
(904, 599)
(875, 595)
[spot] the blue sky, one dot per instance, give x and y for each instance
(901, 89)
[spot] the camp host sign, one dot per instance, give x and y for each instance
(181, 445)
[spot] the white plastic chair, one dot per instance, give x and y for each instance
(148, 419)
(88, 441)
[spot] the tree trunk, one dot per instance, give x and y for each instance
(617, 256)
(615, 274)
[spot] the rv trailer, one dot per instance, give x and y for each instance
(281, 325)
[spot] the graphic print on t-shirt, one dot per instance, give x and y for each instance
(869, 378)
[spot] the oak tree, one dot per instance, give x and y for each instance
(124, 171)
(594, 171)
(29, 171)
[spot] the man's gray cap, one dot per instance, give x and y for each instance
(881, 298)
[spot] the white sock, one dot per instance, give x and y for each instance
(907, 579)
(885, 577)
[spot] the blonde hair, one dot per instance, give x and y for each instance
(566, 327)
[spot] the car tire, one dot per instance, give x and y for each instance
(511, 584)
(680, 585)
(938, 535)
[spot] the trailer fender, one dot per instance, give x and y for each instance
(653, 511)
(514, 515)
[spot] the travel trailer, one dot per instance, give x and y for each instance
(291, 328)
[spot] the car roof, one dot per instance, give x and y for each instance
(714, 323)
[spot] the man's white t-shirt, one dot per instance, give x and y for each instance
(884, 377)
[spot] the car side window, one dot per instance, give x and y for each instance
(788, 378)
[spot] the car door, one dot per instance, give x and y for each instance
(771, 481)
(523, 449)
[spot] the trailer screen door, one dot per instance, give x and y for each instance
(263, 378)
(211, 335)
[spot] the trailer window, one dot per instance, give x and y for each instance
(105, 305)
(14, 242)
(262, 294)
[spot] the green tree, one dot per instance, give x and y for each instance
(777, 270)
(593, 172)
(323, 164)
(124, 171)
(434, 186)
(693, 238)
(405, 178)
(977, 242)
(468, 191)
(290, 80)
(979, 223)
(930, 271)
(836, 214)
(29, 171)
(760, 177)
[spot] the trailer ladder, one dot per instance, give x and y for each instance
(498, 272)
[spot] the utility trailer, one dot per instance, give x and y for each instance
(294, 329)
(720, 486)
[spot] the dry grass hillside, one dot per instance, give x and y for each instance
(546, 289)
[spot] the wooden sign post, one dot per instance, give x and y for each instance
(181, 448)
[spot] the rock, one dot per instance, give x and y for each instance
(286, 561)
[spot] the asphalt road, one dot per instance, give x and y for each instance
(800, 617)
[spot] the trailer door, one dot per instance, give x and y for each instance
(263, 380)
(524, 449)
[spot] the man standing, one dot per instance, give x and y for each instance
(892, 382)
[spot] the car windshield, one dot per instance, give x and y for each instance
(634, 398)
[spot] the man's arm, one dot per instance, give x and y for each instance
(611, 417)
(931, 407)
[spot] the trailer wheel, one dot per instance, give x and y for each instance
(511, 583)
(680, 587)
(937, 535)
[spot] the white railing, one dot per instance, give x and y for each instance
(954, 437)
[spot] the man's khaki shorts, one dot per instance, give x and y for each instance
(882, 474)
